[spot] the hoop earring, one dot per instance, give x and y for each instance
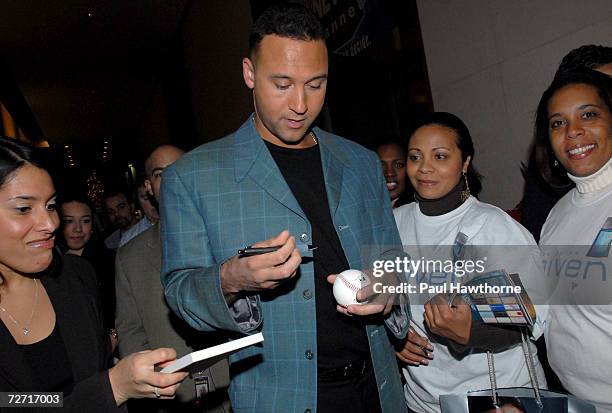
(465, 193)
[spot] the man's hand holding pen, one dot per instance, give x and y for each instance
(257, 272)
(252, 250)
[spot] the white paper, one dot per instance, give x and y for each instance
(209, 356)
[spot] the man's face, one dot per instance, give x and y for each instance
(288, 78)
(119, 211)
(393, 162)
(145, 204)
(159, 160)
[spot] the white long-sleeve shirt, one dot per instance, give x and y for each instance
(511, 248)
(579, 335)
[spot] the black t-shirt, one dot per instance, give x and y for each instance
(51, 367)
(340, 339)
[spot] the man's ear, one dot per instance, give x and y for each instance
(248, 72)
(148, 187)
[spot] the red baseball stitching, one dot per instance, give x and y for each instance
(348, 284)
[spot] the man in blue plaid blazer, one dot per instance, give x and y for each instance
(236, 192)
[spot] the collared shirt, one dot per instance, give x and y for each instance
(140, 227)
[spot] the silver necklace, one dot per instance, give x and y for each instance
(314, 138)
(312, 135)
(25, 330)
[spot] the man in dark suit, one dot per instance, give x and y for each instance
(143, 319)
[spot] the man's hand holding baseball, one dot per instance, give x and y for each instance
(374, 303)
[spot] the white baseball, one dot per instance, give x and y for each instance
(347, 284)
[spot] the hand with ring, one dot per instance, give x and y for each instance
(135, 377)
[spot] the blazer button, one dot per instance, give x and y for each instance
(307, 294)
(304, 237)
(307, 411)
(308, 354)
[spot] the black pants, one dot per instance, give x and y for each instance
(357, 395)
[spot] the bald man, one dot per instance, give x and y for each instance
(155, 164)
(145, 322)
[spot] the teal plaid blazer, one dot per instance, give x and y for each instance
(228, 194)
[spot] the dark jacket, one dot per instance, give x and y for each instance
(73, 294)
(103, 261)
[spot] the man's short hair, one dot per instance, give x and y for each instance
(286, 20)
(589, 56)
(114, 191)
(389, 139)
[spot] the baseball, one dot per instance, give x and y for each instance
(347, 284)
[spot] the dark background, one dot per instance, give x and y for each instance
(100, 83)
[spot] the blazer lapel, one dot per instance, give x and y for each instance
(333, 162)
(151, 282)
(253, 159)
(154, 252)
(72, 311)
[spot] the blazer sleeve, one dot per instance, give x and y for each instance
(398, 321)
(190, 273)
(93, 393)
(132, 336)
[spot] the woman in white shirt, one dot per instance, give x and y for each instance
(440, 168)
(574, 144)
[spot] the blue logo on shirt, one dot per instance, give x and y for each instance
(603, 241)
